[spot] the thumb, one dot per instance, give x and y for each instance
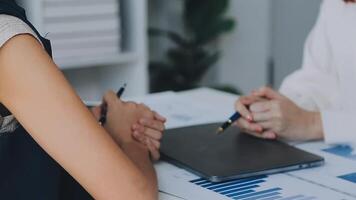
(110, 98)
(267, 92)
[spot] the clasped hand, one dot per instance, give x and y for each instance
(268, 114)
(131, 122)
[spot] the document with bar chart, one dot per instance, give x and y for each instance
(274, 187)
(338, 173)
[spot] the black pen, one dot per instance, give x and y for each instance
(104, 106)
(228, 123)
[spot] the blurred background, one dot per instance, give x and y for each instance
(158, 45)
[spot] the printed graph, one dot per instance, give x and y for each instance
(349, 177)
(248, 189)
(343, 151)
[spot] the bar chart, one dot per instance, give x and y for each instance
(349, 177)
(343, 151)
(248, 189)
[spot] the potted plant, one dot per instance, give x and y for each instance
(194, 51)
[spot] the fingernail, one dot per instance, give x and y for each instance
(161, 116)
(249, 118)
(142, 121)
(270, 135)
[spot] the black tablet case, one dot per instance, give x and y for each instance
(232, 154)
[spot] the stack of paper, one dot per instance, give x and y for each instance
(82, 29)
(182, 109)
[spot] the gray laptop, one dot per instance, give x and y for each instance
(231, 155)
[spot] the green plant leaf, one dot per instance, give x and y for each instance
(200, 13)
(228, 88)
(207, 62)
(174, 37)
(214, 31)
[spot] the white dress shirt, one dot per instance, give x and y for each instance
(327, 80)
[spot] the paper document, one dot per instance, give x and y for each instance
(339, 171)
(181, 110)
(181, 183)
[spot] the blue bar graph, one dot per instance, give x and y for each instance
(247, 189)
(343, 151)
(349, 177)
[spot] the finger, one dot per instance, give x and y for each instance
(139, 128)
(159, 117)
(153, 124)
(144, 106)
(262, 116)
(269, 135)
(155, 155)
(242, 109)
(110, 98)
(146, 111)
(140, 137)
(155, 143)
(153, 134)
(254, 134)
(250, 127)
(266, 125)
(261, 106)
(247, 100)
(267, 92)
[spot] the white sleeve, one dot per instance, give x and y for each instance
(316, 87)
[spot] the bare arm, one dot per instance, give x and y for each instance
(37, 93)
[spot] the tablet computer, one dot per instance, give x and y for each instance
(232, 154)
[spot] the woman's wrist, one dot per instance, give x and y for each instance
(314, 126)
(134, 147)
(117, 135)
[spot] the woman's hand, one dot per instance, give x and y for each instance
(246, 122)
(119, 118)
(279, 115)
(138, 120)
(149, 131)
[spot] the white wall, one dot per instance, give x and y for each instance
(247, 50)
(292, 21)
(270, 30)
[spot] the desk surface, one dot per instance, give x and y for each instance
(335, 180)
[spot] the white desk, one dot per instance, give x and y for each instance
(335, 180)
